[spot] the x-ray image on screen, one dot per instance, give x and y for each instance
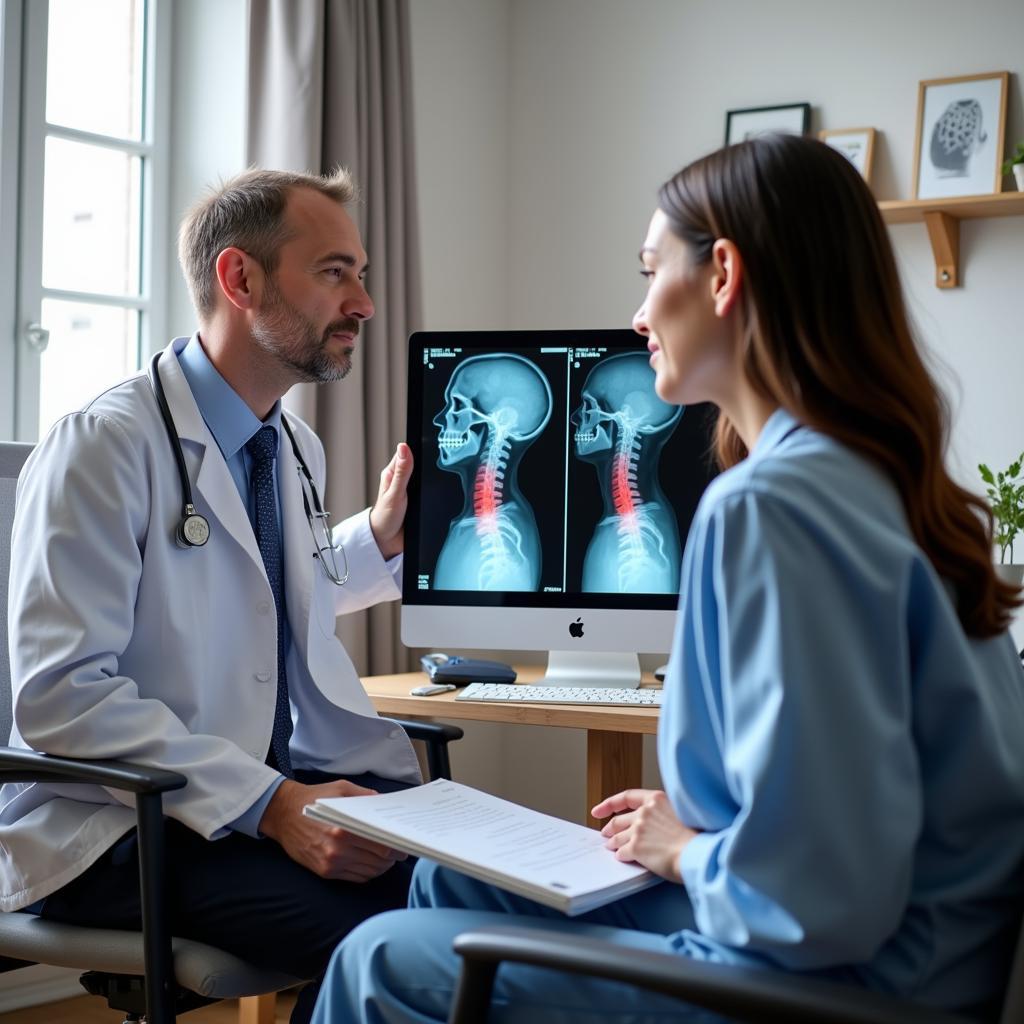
(496, 405)
(621, 427)
(547, 472)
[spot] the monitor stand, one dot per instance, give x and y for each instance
(592, 668)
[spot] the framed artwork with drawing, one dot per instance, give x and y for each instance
(856, 144)
(961, 123)
(793, 119)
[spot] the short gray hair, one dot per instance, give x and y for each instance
(246, 212)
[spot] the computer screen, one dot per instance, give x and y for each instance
(551, 497)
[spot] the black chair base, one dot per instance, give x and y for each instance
(127, 993)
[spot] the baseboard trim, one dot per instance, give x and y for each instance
(34, 986)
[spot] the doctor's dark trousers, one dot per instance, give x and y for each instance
(240, 894)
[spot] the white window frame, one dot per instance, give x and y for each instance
(10, 110)
(154, 149)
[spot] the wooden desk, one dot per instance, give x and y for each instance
(614, 734)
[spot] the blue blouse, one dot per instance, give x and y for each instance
(854, 761)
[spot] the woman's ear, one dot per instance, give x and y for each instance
(726, 276)
(235, 272)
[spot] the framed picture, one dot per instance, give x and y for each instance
(856, 144)
(960, 127)
(794, 119)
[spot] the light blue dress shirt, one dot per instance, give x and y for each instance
(232, 424)
(853, 760)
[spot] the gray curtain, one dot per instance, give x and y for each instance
(330, 84)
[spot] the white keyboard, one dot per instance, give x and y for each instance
(527, 694)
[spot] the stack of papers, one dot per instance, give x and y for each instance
(558, 863)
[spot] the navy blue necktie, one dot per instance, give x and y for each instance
(262, 446)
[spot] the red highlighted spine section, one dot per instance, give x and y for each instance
(624, 496)
(486, 498)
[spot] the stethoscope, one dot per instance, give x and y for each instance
(193, 529)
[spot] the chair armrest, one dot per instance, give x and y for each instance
(17, 765)
(437, 736)
(760, 996)
(429, 732)
(148, 784)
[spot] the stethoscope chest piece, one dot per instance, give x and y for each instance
(193, 531)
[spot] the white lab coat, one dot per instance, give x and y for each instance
(124, 645)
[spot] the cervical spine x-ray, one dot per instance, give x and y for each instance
(621, 428)
(551, 459)
(495, 406)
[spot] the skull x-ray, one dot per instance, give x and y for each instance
(621, 427)
(495, 407)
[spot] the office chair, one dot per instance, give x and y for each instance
(139, 973)
(748, 994)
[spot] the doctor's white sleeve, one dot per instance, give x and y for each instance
(371, 579)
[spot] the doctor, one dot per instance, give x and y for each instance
(179, 615)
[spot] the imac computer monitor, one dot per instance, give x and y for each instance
(550, 500)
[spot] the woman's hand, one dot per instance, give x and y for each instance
(645, 829)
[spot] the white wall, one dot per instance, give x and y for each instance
(642, 88)
(543, 128)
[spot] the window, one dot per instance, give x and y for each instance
(92, 229)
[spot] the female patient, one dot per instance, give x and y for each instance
(841, 737)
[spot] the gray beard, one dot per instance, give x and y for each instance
(291, 339)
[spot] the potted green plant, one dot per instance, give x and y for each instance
(1005, 492)
(1016, 164)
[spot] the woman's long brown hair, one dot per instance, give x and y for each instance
(826, 335)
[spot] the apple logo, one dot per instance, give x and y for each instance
(576, 628)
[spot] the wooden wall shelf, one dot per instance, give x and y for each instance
(942, 218)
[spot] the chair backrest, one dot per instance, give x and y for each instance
(12, 458)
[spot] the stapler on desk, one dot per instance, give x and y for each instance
(443, 669)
